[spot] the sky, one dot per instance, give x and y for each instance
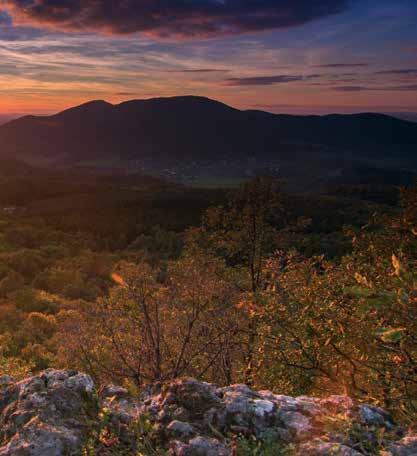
(289, 56)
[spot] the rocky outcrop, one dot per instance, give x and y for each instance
(59, 413)
(46, 414)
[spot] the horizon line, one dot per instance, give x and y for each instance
(273, 109)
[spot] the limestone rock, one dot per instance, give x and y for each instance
(55, 412)
(180, 429)
(200, 446)
(46, 414)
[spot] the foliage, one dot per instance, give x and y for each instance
(301, 294)
(15, 367)
(348, 327)
(148, 330)
(105, 438)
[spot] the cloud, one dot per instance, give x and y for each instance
(342, 65)
(402, 88)
(170, 18)
(202, 70)
(268, 80)
(125, 94)
(399, 72)
(4, 19)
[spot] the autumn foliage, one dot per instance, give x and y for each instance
(238, 302)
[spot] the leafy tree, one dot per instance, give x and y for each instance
(148, 330)
(245, 232)
(347, 327)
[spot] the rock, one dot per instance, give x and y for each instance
(263, 407)
(180, 430)
(405, 447)
(114, 391)
(54, 413)
(375, 416)
(182, 414)
(200, 446)
(299, 425)
(122, 411)
(309, 425)
(320, 448)
(195, 396)
(46, 414)
(80, 382)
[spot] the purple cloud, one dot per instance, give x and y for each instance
(268, 80)
(170, 18)
(342, 65)
(201, 70)
(402, 71)
(401, 88)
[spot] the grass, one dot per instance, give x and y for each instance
(104, 439)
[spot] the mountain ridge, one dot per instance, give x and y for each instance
(197, 128)
(154, 100)
(105, 103)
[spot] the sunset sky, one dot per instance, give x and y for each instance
(295, 56)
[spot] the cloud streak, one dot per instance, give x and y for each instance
(202, 70)
(170, 18)
(401, 88)
(402, 71)
(343, 65)
(268, 80)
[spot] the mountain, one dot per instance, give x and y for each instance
(172, 130)
(410, 116)
(4, 118)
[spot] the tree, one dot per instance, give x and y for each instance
(349, 327)
(245, 232)
(151, 330)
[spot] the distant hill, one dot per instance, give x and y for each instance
(193, 128)
(4, 118)
(410, 116)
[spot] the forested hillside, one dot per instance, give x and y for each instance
(203, 130)
(135, 281)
